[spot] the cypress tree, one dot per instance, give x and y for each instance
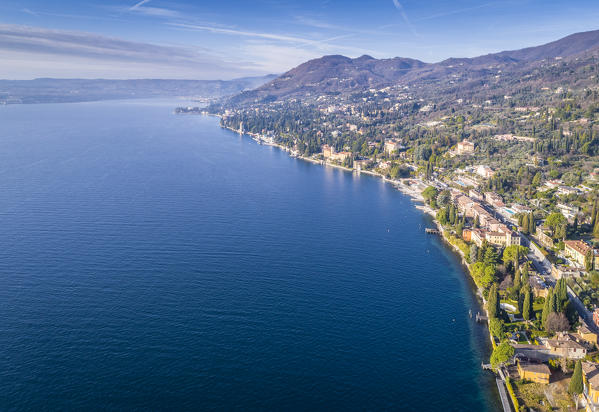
(576, 387)
(490, 256)
(588, 261)
(596, 226)
(532, 228)
(594, 213)
(525, 223)
(546, 307)
(473, 253)
(527, 305)
(524, 281)
(554, 303)
(520, 302)
(493, 302)
(562, 293)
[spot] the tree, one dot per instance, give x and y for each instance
(596, 226)
(512, 254)
(473, 253)
(576, 386)
(561, 291)
(490, 256)
(588, 261)
(493, 307)
(429, 194)
(561, 231)
(443, 215)
(525, 224)
(501, 354)
(547, 309)
(554, 220)
(527, 311)
(553, 305)
(444, 198)
(496, 327)
(517, 282)
(524, 275)
(557, 322)
(532, 227)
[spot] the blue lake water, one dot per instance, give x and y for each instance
(154, 261)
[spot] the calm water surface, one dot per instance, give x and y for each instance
(153, 261)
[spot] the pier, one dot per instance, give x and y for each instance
(505, 400)
(431, 231)
(480, 318)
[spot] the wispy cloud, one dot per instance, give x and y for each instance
(22, 46)
(254, 34)
(456, 11)
(139, 4)
(404, 16)
(140, 7)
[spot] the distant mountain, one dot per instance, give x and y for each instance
(48, 90)
(340, 74)
(334, 74)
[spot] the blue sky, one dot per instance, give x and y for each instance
(225, 39)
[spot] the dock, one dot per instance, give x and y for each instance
(505, 400)
(431, 231)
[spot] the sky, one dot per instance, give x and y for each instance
(224, 39)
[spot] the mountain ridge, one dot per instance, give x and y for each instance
(333, 74)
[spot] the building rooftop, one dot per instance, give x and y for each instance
(535, 367)
(591, 371)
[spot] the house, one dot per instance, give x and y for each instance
(586, 335)
(535, 372)
(341, 156)
(474, 194)
(467, 235)
(596, 317)
(494, 199)
(559, 271)
(465, 147)
(566, 190)
(539, 287)
(391, 146)
(590, 373)
(477, 236)
(465, 205)
(327, 151)
(544, 236)
(565, 346)
(502, 238)
(384, 165)
(485, 171)
(570, 212)
(576, 250)
(481, 213)
(518, 208)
